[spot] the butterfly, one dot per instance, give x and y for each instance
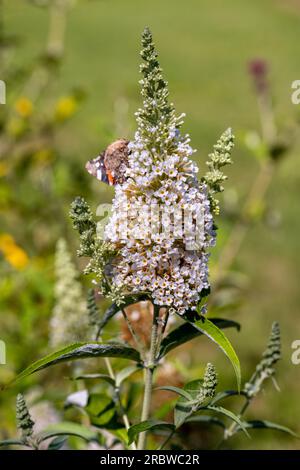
(110, 166)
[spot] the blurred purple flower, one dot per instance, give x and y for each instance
(258, 69)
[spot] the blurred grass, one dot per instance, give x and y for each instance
(204, 50)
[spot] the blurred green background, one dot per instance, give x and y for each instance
(89, 98)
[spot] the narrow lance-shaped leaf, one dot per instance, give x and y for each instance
(114, 309)
(125, 373)
(104, 377)
(179, 391)
(205, 419)
(67, 428)
(208, 328)
(259, 424)
(187, 332)
(100, 408)
(149, 425)
(226, 394)
(80, 351)
(12, 442)
(201, 390)
(185, 404)
(229, 414)
(57, 443)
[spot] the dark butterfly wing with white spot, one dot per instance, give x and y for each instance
(96, 167)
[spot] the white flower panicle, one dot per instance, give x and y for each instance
(69, 322)
(220, 157)
(161, 222)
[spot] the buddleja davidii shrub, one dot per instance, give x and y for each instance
(148, 266)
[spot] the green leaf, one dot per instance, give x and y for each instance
(258, 424)
(108, 314)
(211, 330)
(179, 391)
(149, 425)
(204, 294)
(120, 434)
(114, 309)
(80, 351)
(194, 388)
(222, 395)
(165, 408)
(104, 377)
(184, 406)
(12, 442)
(125, 373)
(57, 443)
(67, 428)
(132, 395)
(205, 419)
(229, 414)
(187, 332)
(100, 409)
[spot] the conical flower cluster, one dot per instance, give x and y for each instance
(69, 322)
(210, 382)
(24, 422)
(161, 224)
(266, 367)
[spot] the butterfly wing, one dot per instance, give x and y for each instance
(116, 161)
(110, 166)
(96, 167)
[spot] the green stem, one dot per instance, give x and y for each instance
(165, 442)
(39, 78)
(148, 376)
(134, 335)
(117, 392)
(57, 28)
(241, 227)
(257, 192)
(233, 427)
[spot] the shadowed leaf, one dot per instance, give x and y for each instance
(150, 425)
(67, 429)
(187, 332)
(211, 330)
(80, 351)
(259, 424)
(205, 420)
(114, 309)
(229, 414)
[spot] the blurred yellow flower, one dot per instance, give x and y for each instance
(17, 258)
(16, 127)
(3, 169)
(6, 241)
(24, 107)
(13, 253)
(65, 108)
(43, 156)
